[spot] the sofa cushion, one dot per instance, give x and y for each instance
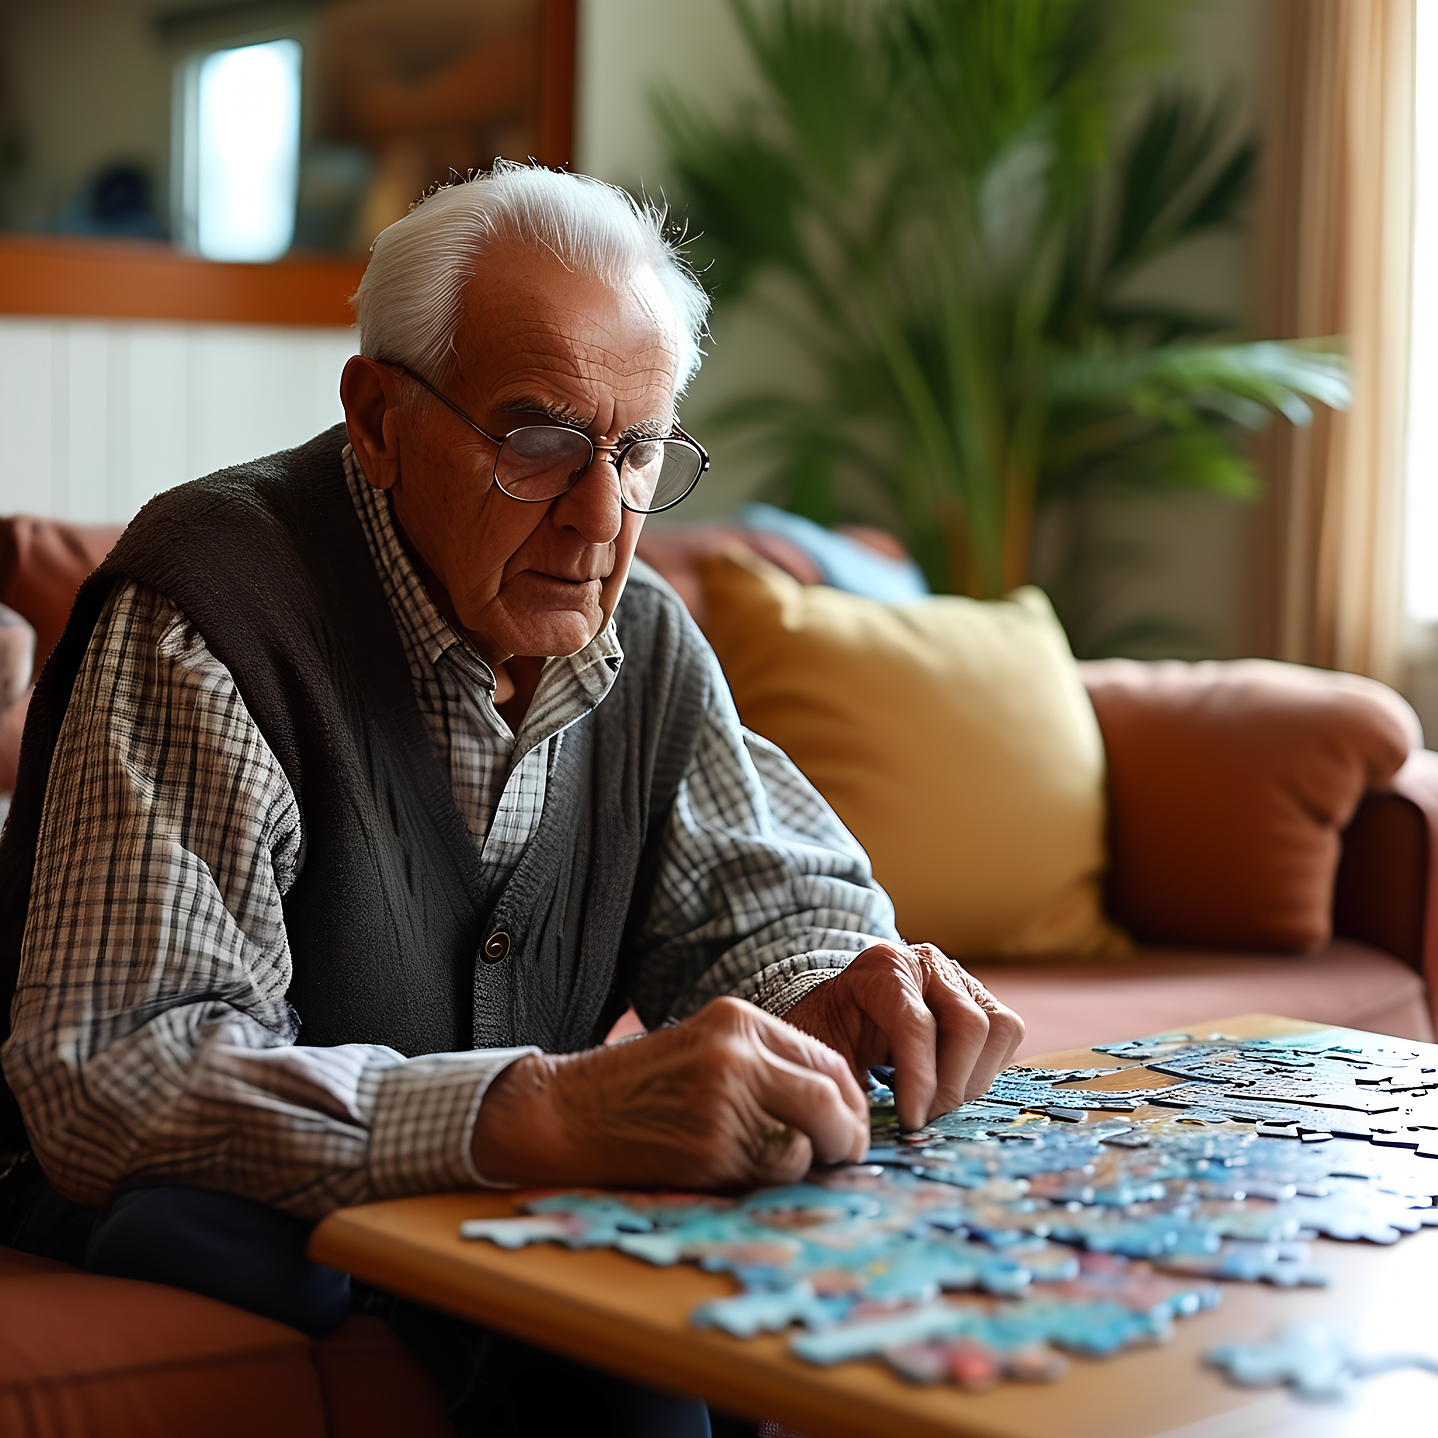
(1154, 990)
(678, 553)
(81, 1355)
(42, 563)
(845, 561)
(1229, 784)
(373, 1387)
(952, 737)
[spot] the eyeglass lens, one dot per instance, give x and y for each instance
(541, 461)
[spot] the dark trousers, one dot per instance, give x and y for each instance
(254, 1257)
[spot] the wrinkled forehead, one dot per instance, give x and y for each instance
(525, 298)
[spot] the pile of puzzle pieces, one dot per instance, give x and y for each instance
(1071, 1215)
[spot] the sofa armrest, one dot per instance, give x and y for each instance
(1387, 888)
(1230, 784)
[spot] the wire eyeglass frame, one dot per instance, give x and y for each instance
(619, 451)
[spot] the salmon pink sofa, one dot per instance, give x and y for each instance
(1212, 771)
(1273, 836)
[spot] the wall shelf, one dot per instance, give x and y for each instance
(147, 280)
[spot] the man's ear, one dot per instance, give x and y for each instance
(370, 393)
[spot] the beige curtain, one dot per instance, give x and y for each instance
(1334, 243)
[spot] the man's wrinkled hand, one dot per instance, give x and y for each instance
(913, 1007)
(730, 1098)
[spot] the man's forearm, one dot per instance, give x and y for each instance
(217, 1099)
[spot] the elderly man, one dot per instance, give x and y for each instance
(372, 781)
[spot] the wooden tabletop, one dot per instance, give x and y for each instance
(618, 1313)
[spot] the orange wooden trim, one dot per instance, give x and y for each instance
(112, 279)
(558, 25)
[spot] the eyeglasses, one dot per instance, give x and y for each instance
(539, 462)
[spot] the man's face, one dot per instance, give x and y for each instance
(537, 344)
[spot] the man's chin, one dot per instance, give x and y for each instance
(553, 632)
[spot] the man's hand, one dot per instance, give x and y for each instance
(915, 1008)
(730, 1098)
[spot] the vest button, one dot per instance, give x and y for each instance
(496, 947)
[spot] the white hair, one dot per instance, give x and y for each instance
(409, 303)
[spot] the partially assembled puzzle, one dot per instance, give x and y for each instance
(1070, 1214)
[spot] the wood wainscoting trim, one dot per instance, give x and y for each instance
(141, 279)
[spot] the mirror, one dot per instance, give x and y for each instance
(250, 129)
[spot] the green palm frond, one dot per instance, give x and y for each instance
(946, 203)
(1272, 376)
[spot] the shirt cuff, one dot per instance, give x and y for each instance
(422, 1127)
(782, 997)
(777, 988)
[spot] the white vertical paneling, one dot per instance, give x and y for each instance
(60, 398)
(25, 415)
(160, 414)
(87, 416)
(118, 348)
(100, 415)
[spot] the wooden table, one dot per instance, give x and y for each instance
(620, 1314)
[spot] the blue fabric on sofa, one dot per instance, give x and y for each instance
(843, 563)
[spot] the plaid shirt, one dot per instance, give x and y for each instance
(152, 1042)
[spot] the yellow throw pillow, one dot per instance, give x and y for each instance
(952, 736)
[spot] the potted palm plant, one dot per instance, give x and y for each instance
(945, 202)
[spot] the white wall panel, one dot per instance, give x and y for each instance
(26, 381)
(100, 415)
(84, 418)
(158, 452)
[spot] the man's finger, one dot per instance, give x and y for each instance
(811, 1102)
(805, 1050)
(963, 1036)
(912, 1030)
(1006, 1033)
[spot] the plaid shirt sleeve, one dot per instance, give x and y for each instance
(151, 1039)
(757, 870)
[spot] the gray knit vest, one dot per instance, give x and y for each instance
(394, 937)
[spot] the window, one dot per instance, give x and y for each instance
(239, 138)
(1421, 519)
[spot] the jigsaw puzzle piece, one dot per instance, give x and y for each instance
(810, 1196)
(979, 1120)
(722, 1238)
(860, 1340)
(1357, 1211)
(1098, 1329)
(751, 1313)
(1284, 1265)
(1156, 1046)
(519, 1232)
(1149, 1232)
(1108, 1278)
(1310, 1358)
(917, 1271)
(597, 1219)
(973, 1365)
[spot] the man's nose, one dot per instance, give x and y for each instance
(591, 504)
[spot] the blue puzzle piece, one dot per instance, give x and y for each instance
(603, 1218)
(751, 1313)
(1310, 1358)
(1283, 1265)
(1002, 1195)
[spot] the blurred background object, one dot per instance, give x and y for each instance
(119, 203)
(190, 188)
(426, 89)
(238, 144)
(244, 129)
(946, 207)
